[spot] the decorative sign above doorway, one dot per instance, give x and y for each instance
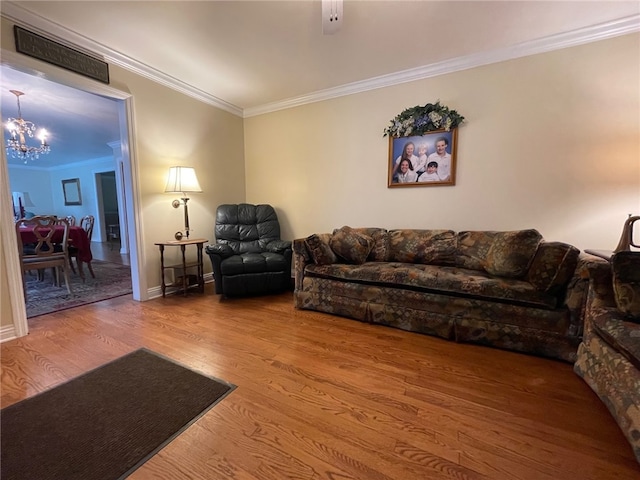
(42, 48)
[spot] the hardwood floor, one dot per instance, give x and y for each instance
(323, 397)
(108, 252)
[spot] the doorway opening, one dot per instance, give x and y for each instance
(126, 164)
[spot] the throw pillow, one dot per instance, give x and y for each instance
(318, 246)
(354, 247)
(552, 266)
(511, 253)
(380, 236)
(626, 283)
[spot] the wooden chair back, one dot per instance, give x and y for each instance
(44, 230)
(87, 223)
(50, 249)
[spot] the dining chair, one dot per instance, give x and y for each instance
(46, 245)
(86, 223)
(72, 220)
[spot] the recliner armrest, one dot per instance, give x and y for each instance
(278, 246)
(223, 250)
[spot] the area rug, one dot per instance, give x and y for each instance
(106, 423)
(112, 280)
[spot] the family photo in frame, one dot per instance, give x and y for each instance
(423, 160)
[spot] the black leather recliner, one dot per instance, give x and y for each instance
(249, 258)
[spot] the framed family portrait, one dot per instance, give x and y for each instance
(71, 190)
(423, 160)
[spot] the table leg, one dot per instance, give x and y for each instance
(185, 280)
(80, 270)
(164, 286)
(200, 269)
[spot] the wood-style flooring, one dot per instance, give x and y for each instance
(108, 252)
(324, 397)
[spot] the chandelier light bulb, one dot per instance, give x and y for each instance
(42, 136)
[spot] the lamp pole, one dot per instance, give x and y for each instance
(186, 216)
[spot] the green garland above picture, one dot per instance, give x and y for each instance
(418, 120)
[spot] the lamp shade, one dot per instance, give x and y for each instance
(182, 179)
(24, 197)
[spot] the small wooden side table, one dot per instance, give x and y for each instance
(185, 281)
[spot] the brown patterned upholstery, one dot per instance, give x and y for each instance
(472, 249)
(351, 246)
(609, 355)
(626, 283)
(552, 266)
(319, 249)
(380, 250)
(422, 246)
(511, 253)
(435, 282)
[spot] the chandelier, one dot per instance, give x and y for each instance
(19, 130)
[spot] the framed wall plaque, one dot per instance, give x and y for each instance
(42, 48)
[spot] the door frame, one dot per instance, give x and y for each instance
(131, 179)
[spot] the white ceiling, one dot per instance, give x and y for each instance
(255, 53)
(80, 125)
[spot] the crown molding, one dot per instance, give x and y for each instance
(58, 33)
(622, 26)
(594, 33)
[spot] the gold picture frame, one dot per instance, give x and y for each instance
(426, 160)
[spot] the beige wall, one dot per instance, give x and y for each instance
(552, 141)
(173, 129)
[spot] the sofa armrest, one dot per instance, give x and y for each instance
(301, 258)
(224, 250)
(278, 246)
(217, 253)
(589, 267)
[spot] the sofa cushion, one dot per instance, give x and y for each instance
(626, 283)
(350, 245)
(511, 253)
(431, 278)
(472, 249)
(253, 263)
(552, 266)
(435, 247)
(319, 249)
(621, 335)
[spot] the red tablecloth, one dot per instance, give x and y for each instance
(77, 236)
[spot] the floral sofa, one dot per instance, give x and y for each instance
(508, 290)
(609, 355)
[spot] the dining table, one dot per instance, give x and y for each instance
(77, 236)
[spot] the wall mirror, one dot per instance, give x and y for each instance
(71, 189)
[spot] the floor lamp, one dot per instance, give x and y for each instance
(182, 180)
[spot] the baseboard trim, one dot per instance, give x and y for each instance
(7, 333)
